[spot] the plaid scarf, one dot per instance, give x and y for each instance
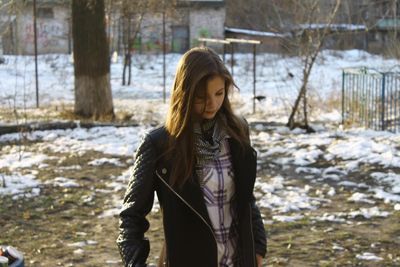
(208, 136)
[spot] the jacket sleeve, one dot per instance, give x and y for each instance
(260, 238)
(138, 201)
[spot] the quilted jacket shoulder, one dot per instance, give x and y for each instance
(138, 201)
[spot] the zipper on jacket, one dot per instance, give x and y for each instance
(252, 238)
(198, 214)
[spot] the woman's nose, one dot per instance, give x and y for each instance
(210, 102)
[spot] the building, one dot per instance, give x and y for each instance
(372, 25)
(183, 22)
(270, 42)
(53, 27)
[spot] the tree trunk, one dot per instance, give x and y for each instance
(93, 96)
(291, 123)
(305, 112)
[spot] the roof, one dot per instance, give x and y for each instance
(334, 27)
(254, 33)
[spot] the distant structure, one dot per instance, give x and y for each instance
(359, 24)
(184, 23)
(189, 21)
(370, 24)
(271, 42)
(53, 27)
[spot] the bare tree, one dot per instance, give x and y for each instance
(308, 21)
(93, 96)
(309, 42)
(392, 12)
(132, 14)
(266, 15)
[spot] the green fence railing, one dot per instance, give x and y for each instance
(371, 98)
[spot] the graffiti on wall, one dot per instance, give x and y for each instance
(204, 33)
(51, 35)
(201, 33)
(152, 39)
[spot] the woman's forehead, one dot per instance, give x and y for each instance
(215, 83)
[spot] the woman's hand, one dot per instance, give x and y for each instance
(259, 260)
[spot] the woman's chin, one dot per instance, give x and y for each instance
(208, 116)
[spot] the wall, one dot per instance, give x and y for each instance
(52, 33)
(182, 28)
(152, 32)
(206, 22)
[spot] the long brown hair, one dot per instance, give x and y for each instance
(195, 68)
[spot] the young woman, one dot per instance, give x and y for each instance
(202, 167)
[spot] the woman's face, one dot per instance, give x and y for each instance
(208, 106)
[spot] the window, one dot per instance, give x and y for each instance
(180, 38)
(45, 13)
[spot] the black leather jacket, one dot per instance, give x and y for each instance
(189, 236)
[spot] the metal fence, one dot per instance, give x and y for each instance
(371, 98)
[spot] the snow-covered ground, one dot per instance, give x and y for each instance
(347, 151)
(354, 148)
(278, 78)
(344, 152)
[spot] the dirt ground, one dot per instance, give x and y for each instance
(47, 227)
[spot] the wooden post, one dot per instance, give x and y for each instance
(36, 52)
(254, 78)
(164, 54)
(254, 43)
